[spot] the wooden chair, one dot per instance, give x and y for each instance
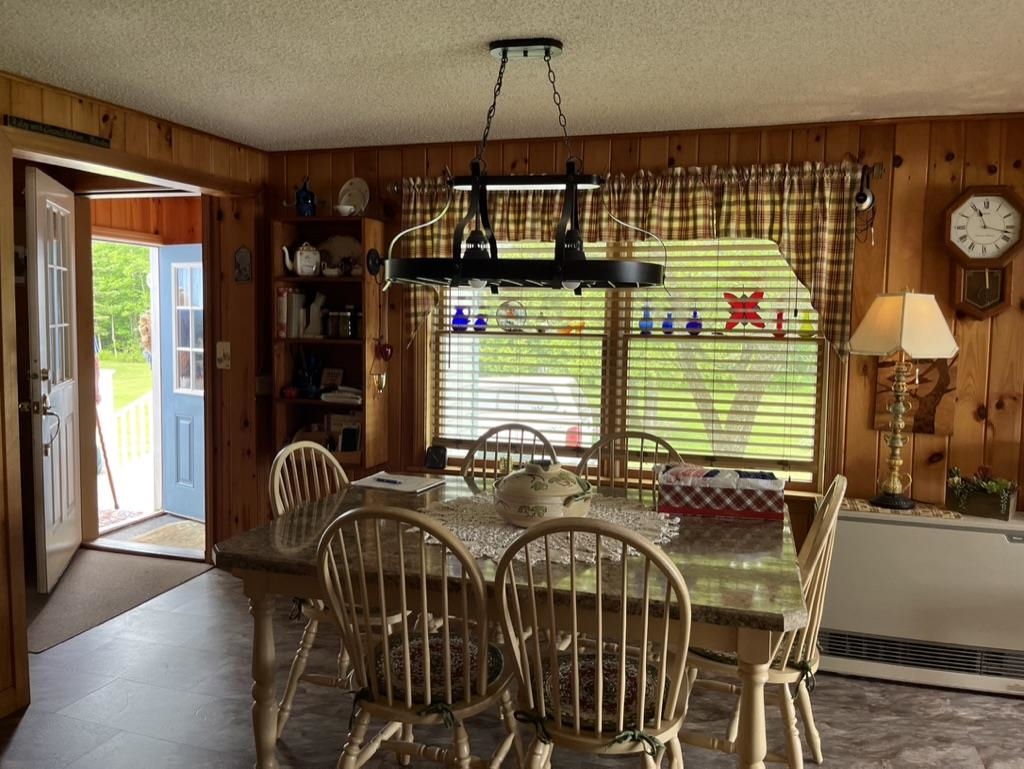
(377, 562)
(619, 686)
(303, 472)
(627, 460)
(501, 450)
(796, 657)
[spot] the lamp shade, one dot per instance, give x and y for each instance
(911, 323)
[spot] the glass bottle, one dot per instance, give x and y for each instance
(668, 325)
(693, 325)
(805, 327)
(460, 321)
(480, 324)
(780, 324)
(646, 321)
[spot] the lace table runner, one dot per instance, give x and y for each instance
(476, 522)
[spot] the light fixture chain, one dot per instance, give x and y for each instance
(490, 112)
(557, 98)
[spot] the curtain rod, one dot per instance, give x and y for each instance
(876, 170)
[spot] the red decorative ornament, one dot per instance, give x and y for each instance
(744, 309)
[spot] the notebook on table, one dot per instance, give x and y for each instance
(412, 484)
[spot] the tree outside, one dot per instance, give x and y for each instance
(121, 298)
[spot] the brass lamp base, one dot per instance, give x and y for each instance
(893, 502)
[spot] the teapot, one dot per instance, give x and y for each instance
(306, 262)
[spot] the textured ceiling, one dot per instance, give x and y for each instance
(288, 75)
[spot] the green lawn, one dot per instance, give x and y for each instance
(131, 380)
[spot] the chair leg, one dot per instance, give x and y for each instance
(537, 755)
(405, 759)
(675, 753)
(463, 756)
(507, 708)
(354, 744)
(297, 669)
(794, 751)
(803, 700)
(734, 723)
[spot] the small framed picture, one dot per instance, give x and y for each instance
(331, 378)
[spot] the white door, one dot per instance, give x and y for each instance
(54, 380)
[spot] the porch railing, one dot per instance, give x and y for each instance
(133, 430)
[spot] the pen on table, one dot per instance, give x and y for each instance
(392, 481)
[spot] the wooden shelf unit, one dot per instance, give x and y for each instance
(354, 355)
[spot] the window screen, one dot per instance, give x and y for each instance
(731, 378)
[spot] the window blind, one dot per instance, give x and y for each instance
(737, 387)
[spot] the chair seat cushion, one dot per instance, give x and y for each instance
(610, 690)
(458, 655)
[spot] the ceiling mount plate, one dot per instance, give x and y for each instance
(526, 47)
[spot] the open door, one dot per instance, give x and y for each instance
(182, 380)
(53, 375)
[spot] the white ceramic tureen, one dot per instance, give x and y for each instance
(541, 490)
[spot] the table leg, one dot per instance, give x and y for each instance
(754, 655)
(264, 692)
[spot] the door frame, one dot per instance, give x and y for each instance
(17, 143)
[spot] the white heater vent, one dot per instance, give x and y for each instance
(923, 654)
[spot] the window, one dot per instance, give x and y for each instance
(189, 365)
(740, 389)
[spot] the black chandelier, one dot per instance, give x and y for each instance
(474, 259)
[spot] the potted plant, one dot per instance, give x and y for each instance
(981, 494)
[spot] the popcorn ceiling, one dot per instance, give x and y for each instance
(290, 75)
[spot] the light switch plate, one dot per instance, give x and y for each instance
(223, 355)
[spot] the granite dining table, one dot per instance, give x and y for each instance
(742, 575)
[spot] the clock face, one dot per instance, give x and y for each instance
(985, 226)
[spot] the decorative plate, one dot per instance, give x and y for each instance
(511, 316)
(355, 193)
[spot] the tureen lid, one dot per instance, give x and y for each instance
(543, 479)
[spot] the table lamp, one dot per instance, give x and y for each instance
(912, 326)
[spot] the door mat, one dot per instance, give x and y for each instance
(98, 586)
(189, 535)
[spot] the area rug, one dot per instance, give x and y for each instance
(98, 586)
(189, 535)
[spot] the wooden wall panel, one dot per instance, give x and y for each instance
(861, 456)
(164, 221)
(1006, 372)
(926, 163)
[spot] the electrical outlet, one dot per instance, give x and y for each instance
(224, 355)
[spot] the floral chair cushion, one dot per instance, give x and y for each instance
(610, 695)
(460, 656)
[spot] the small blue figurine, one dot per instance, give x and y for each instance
(693, 325)
(305, 199)
(646, 321)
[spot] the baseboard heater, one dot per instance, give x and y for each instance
(927, 601)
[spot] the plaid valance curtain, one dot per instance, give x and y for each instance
(808, 210)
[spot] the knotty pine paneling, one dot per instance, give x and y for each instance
(927, 163)
(167, 221)
(132, 132)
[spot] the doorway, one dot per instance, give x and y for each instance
(149, 327)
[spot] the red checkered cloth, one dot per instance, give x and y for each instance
(767, 504)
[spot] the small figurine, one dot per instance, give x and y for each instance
(646, 321)
(693, 325)
(305, 199)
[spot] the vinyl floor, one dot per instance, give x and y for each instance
(166, 685)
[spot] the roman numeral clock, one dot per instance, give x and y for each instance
(983, 234)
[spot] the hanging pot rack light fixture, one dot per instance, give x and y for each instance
(474, 259)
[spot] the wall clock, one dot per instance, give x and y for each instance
(982, 292)
(983, 227)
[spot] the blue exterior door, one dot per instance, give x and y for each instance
(182, 381)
